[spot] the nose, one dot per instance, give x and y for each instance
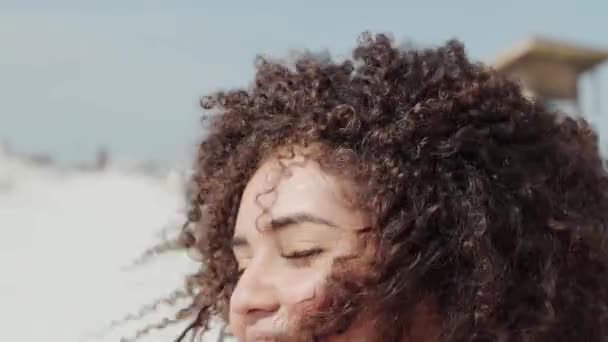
(255, 295)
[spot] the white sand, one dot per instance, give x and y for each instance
(67, 234)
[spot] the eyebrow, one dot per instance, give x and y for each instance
(288, 221)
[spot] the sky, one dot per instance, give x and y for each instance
(128, 75)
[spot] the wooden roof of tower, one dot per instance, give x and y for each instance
(549, 68)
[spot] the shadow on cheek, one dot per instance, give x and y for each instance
(303, 291)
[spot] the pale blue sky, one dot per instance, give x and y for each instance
(128, 74)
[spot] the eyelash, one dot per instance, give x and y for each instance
(309, 253)
(302, 258)
(297, 257)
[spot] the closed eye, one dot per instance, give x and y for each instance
(303, 253)
(299, 258)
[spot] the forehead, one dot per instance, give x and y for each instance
(298, 185)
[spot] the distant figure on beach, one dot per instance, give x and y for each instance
(399, 195)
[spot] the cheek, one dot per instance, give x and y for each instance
(302, 287)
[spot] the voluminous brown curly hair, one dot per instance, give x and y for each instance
(484, 201)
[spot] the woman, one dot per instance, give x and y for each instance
(402, 195)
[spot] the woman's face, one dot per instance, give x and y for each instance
(294, 220)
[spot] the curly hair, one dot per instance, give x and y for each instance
(483, 200)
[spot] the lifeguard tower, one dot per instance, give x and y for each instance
(549, 70)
